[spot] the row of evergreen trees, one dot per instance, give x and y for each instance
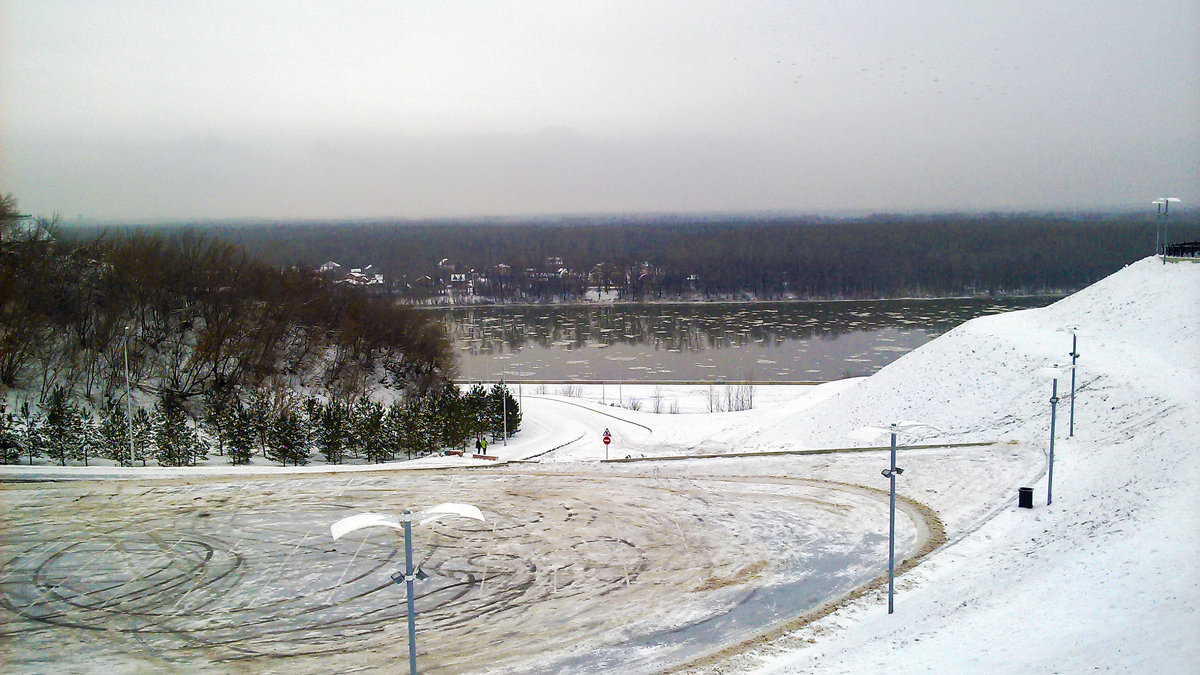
(272, 424)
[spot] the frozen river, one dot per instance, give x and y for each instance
(705, 342)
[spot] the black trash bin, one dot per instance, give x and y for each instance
(1025, 498)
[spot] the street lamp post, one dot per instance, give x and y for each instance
(1053, 411)
(1052, 372)
(1074, 355)
(362, 520)
(410, 595)
(890, 473)
(128, 402)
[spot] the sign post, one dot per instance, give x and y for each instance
(607, 440)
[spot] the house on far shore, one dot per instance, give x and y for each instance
(357, 276)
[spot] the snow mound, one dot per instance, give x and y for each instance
(1099, 579)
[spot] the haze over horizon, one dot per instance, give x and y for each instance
(305, 110)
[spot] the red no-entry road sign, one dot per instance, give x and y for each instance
(607, 437)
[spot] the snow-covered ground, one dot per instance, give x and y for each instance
(1102, 579)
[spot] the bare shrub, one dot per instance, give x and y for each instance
(570, 390)
(739, 397)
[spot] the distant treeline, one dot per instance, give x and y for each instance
(878, 256)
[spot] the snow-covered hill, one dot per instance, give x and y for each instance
(1104, 578)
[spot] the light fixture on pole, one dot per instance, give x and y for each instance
(363, 520)
(1053, 373)
(128, 403)
(1074, 331)
(868, 433)
(620, 387)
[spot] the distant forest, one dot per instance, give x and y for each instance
(709, 257)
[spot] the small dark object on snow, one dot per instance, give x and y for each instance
(1025, 497)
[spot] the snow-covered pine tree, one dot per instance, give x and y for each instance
(10, 442)
(113, 432)
(501, 402)
(435, 423)
(217, 404)
(82, 439)
(241, 438)
(331, 432)
(369, 430)
(30, 430)
(476, 403)
(58, 426)
(456, 421)
(143, 434)
(175, 442)
(258, 413)
(393, 430)
(285, 441)
(425, 432)
(408, 429)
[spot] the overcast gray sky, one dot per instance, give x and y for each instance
(182, 110)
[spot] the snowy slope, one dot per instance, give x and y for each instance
(1103, 579)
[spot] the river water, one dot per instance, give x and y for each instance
(705, 342)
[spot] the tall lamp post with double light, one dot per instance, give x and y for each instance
(363, 520)
(890, 473)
